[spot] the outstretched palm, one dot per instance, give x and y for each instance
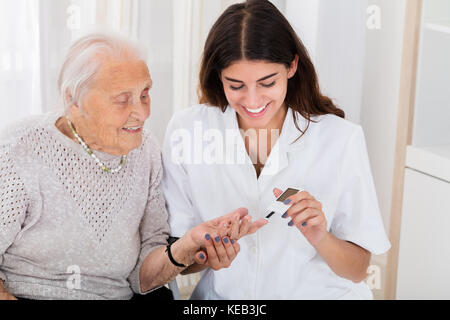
(225, 225)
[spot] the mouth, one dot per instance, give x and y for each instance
(256, 113)
(132, 129)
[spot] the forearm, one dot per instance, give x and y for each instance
(2, 288)
(346, 259)
(157, 269)
(194, 268)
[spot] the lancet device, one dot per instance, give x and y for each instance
(278, 206)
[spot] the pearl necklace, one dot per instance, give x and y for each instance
(91, 153)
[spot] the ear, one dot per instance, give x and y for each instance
(293, 67)
(68, 97)
(73, 109)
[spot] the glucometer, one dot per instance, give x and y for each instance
(278, 206)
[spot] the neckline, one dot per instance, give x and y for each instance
(75, 146)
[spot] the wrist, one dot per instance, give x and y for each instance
(183, 250)
(323, 242)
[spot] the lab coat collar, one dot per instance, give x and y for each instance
(286, 144)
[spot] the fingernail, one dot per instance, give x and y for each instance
(290, 224)
(284, 215)
(202, 256)
(217, 238)
(287, 201)
(225, 240)
(304, 224)
(232, 241)
(207, 237)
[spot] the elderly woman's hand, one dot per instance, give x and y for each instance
(5, 295)
(220, 242)
(236, 225)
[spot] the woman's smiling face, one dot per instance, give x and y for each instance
(256, 90)
(114, 109)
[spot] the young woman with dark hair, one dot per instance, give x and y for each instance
(261, 102)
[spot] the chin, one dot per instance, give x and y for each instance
(130, 146)
(260, 123)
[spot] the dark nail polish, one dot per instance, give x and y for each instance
(304, 224)
(284, 215)
(225, 240)
(287, 201)
(207, 237)
(217, 238)
(202, 256)
(290, 224)
(232, 241)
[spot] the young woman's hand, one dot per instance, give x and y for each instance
(306, 215)
(219, 252)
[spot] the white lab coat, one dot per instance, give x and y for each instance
(330, 162)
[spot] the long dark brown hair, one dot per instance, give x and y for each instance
(256, 30)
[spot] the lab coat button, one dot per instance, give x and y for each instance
(254, 250)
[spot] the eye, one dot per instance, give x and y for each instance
(122, 99)
(236, 88)
(268, 85)
(145, 94)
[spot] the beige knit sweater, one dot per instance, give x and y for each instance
(67, 229)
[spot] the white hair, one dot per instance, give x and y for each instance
(84, 60)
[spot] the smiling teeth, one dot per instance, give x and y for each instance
(256, 110)
(133, 128)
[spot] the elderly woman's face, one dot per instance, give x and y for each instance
(115, 107)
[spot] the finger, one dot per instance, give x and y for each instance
(221, 252)
(213, 259)
(302, 205)
(255, 226)
(313, 222)
(242, 212)
(299, 219)
(234, 232)
(245, 225)
(299, 196)
(200, 257)
(229, 248)
(277, 192)
(236, 246)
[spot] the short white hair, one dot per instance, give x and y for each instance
(84, 60)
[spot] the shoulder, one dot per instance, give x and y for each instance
(17, 134)
(333, 128)
(332, 124)
(186, 118)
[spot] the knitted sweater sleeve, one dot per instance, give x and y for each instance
(13, 203)
(154, 228)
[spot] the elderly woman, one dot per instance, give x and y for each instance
(82, 215)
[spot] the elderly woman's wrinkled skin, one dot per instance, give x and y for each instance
(117, 99)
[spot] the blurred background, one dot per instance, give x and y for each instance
(385, 63)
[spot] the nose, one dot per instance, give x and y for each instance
(252, 99)
(140, 111)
